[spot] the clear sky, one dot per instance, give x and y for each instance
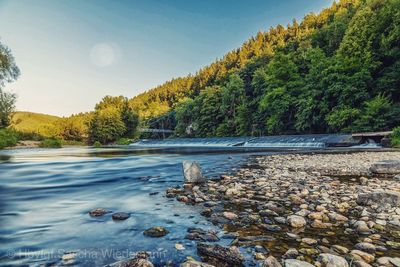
(73, 52)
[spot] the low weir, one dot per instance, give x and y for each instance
(278, 141)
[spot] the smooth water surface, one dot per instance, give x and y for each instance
(45, 197)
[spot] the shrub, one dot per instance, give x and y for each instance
(30, 136)
(124, 141)
(51, 143)
(8, 137)
(97, 144)
(395, 137)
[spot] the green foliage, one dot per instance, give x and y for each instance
(336, 71)
(51, 143)
(30, 136)
(113, 119)
(124, 141)
(106, 125)
(378, 114)
(395, 137)
(7, 107)
(73, 128)
(97, 144)
(9, 72)
(8, 137)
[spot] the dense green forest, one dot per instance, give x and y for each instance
(336, 71)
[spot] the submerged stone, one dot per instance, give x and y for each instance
(97, 212)
(157, 231)
(120, 216)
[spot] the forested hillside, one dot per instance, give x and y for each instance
(336, 71)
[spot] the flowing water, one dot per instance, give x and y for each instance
(277, 141)
(46, 194)
(45, 197)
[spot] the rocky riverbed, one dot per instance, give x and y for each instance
(301, 210)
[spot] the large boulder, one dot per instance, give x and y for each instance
(388, 167)
(379, 197)
(220, 256)
(192, 172)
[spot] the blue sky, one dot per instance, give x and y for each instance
(72, 53)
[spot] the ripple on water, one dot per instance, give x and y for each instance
(45, 197)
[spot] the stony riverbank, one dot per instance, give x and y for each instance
(301, 209)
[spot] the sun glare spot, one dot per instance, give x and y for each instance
(104, 54)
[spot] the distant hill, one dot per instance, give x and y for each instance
(34, 122)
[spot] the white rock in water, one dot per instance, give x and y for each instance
(192, 172)
(179, 246)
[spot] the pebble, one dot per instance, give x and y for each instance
(330, 260)
(179, 246)
(296, 263)
(230, 215)
(296, 221)
(361, 255)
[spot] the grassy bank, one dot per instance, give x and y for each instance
(10, 137)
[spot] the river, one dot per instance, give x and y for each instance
(46, 194)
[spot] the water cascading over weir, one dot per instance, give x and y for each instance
(278, 141)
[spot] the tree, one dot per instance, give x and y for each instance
(378, 114)
(7, 107)
(113, 118)
(232, 97)
(9, 72)
(130, 119)
(106, 125)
